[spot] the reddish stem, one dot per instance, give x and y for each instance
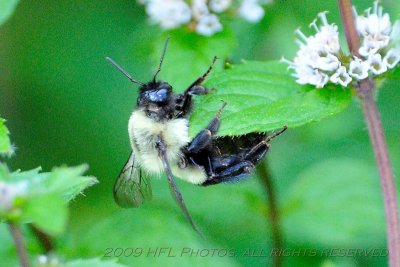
(16, 233)
(366, 90)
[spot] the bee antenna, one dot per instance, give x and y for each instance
(123, 71)
(162, 58)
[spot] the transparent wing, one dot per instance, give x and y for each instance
(132, 186)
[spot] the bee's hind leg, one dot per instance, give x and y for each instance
(232, 173)
(257, 153)
(233, 168)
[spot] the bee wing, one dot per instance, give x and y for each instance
(132, 186)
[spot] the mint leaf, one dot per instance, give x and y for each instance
(262, 96)
(48, 213)
(66, 181)
(7, 7)
(41, 198)
(69, 181)
(396, 73)
(5, 144)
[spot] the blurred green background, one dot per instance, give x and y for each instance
(64, 104)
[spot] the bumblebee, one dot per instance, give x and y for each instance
(159, 136)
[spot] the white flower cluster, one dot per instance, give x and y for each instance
(200, 15)
(320, 59)
(8, 193)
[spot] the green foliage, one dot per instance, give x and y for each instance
(155, 229)
(189, 55)
(92, 263)
(73, 108)
(5, 145)
(42, 198)
(395, 74)
(262, 96)
(65, 181)
(339, 199)
(6, 9)
(47, 212)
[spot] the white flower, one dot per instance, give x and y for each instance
(208, 25)
(392, 58)
(219, 6)
(376, 64)
(375, 29)
(171, 14)
(341, 77)
(168, 13)
(251, 11)
(317, 57)
(318, 78)
(320, 56)
(8, 193)
(327, 62)
(200, 8)
(358, 69)
(327, 35)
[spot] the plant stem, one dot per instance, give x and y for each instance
(273, 212)
(44, 239)
(371, 113)
(19, 244)
(366, 90)
(346, 12)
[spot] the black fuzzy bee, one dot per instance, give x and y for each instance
(158, 132)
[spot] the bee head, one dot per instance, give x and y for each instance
(154, 96)
(157, 93)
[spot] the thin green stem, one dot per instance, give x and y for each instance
(273, 212)
(366, 90)
(16, 233)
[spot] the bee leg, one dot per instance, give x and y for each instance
(194, 89)
(257, 153)
(231, 174)
(162, 150)
(202, 77)
(204, 138)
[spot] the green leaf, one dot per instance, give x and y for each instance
(69, 181)
(396, 73)
(48, 213)
(262, 96)
(4, 172)
(65, 181)
(93, 263)
(336, 204)
(7, 7)
(44, 198)
(189, 55)
(5, 144)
